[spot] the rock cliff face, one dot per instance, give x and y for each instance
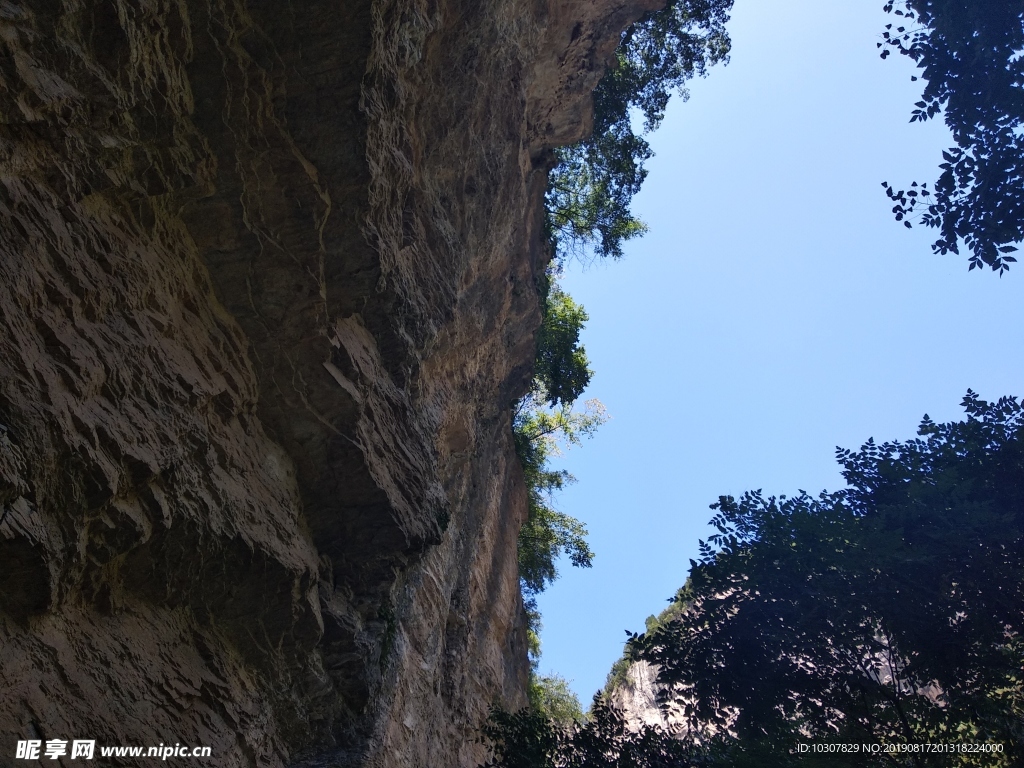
(636, 695)
(267, 291)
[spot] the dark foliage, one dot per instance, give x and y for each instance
(889, 612)
(527, 739)
(969, 52)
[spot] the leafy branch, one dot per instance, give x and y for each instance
(968, 54)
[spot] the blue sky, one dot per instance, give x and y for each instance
(773, 312)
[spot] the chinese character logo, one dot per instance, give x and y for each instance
(56, 748)
(83, 749)
(28, 750)
(34, 750)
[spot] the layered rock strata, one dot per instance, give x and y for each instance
(267, 291)
(635, 694)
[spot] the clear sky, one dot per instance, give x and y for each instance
(773, 312)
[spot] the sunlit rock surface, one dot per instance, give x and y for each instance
(635, 694)
(267, 292)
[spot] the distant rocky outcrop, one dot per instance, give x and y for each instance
(267, 292)
(632, 686)
(635, 692)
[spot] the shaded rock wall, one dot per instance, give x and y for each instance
(267, 292)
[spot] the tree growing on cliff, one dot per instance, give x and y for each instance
(587, 205)
(969, 53)
(593, 183)
(543, 422)
(551, 696)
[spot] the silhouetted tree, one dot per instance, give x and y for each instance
(888, 612)
(970, 54)
(528, 739)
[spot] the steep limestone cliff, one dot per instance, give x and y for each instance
(635, 693)
(267, 291)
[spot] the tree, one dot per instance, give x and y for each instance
(587, 205)
(548, 532)
(529, 739)
(589, 193)
(969, 52)
(544, 421)
(593, 183)
(551, 696)
(562, 370)
(889, 612)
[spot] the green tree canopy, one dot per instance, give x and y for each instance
(593, 183)
(888, 612)
(543, 422)
(562, 370)
(969, 53)
(551, 696)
